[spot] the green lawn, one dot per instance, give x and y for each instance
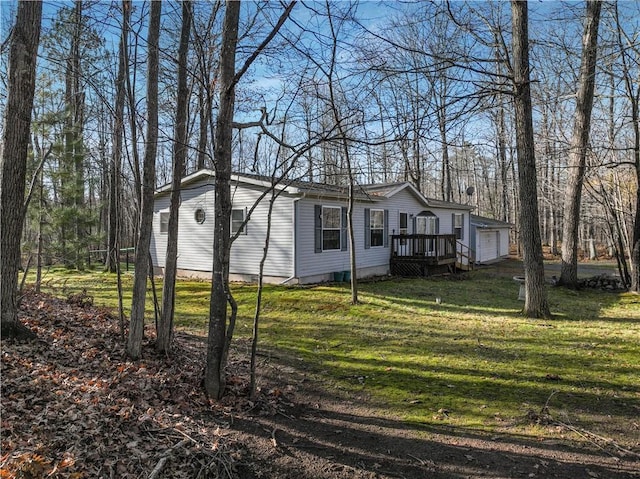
(470, 361)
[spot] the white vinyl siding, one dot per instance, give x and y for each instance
(195, 241)
(247, 249)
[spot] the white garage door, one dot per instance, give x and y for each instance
(488, 247)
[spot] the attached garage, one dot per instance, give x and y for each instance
(489, 238)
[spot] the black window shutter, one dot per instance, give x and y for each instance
(413, 226)
(437, 225)
(386, 229)
(367, 228)
(453, 223)
(343, 230)
(317, 211)
(462, 227)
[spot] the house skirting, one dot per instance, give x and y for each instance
(253, 278)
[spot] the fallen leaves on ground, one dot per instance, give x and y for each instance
(74, 406)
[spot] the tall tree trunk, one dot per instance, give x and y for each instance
(72, 179)
(346, 154)
(79, 232)
(118, 136)
(214, 381)
(220, 335)
(635, 251)
(579, 146)
(17, 123)
(134, 160)
(635, 241)
(205, 110)
(633, 97)
(165, 326)
(40, 228)
(446, 186)
(136, 321)
(256, 317)
(536, 304)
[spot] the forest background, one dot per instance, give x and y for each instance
(422, 90)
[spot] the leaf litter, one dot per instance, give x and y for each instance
(73, 405)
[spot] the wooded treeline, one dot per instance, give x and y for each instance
(337, 92)
(423, 97)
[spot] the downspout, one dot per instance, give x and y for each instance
(294, 234)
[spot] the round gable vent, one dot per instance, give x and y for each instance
(200, 216)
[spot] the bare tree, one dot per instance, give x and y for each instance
(214, 381)
(630, 56)
(579, 145)
(118, 137)
(536, 304)
(142, 264)
(25, 38)
(165, 325)
(221, 333)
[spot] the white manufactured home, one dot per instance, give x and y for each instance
(489, 238)
(396, 230)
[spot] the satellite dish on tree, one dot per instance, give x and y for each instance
(470, 190)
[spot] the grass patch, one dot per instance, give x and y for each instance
(471, 361)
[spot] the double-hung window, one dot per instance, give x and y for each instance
(377, 228)
(164, 222)
(458, 225)
(331, 227)
(237, 221)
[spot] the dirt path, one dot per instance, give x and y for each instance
(346, 440)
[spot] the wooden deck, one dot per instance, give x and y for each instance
(422, 255)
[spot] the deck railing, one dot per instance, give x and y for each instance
(466, 256)
(424, 247)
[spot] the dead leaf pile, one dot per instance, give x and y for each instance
(73, 406)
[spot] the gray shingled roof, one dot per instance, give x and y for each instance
(483, 222)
